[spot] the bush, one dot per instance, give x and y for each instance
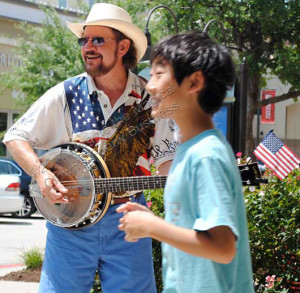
(33, 258)
(273, 212)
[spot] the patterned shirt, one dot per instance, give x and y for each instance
(75, 110)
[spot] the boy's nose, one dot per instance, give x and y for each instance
(150, 88)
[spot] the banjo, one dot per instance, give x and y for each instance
(86, 176)
(84, 173)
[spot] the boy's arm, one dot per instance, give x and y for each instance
(216, 244)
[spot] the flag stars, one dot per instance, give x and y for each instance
(77, 125)
(75, 112)
(80, 101)
(78, 108)
(97, 118)
(88, 120)
(83, 114)
(94, 125)
(70, 88)
(92, 113)
(86, 108)
(76, 94)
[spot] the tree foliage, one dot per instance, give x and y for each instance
(265, 32)
(48, 54)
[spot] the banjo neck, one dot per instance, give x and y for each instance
(134, 183)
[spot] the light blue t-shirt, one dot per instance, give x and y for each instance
(203, 191)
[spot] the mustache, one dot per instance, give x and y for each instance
(92, 53)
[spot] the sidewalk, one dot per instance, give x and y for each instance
(16, 287)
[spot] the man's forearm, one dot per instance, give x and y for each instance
(25, 156)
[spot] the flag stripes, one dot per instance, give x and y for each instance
(277, 156)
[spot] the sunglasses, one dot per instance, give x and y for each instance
(97, 41)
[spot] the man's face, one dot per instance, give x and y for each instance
(99, 58)
(163, 89)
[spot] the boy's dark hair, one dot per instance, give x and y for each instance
(194, 51)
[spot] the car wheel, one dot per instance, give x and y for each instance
(28, 208)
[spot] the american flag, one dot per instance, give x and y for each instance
(277, 156)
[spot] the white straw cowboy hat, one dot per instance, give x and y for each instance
(114, 17)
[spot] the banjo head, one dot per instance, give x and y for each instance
(76, 167)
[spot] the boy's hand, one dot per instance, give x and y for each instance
(136, 221)
(132, 206)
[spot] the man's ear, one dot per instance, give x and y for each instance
(196, 82)
(124, 46)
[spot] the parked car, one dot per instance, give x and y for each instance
(11, 200)
(8, 166)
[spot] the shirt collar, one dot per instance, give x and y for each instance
(132, 82)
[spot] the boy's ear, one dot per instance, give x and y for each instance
(196, 82)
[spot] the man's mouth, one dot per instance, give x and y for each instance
(89, 57)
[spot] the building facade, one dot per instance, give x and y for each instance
(282, 117)
(13, 12)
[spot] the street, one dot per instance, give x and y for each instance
(18, 235)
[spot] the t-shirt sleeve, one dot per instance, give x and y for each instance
(44, 124)
(215, 195)
(164, 142)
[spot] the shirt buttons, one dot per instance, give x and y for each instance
(105, 105)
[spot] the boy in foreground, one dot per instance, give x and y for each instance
(204, 234)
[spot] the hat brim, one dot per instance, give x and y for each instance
(128, 29)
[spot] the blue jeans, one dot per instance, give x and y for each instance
(72, 257)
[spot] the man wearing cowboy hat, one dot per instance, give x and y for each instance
(89, 108)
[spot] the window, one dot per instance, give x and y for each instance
(8, 168)
(91, 3)
(3, 121)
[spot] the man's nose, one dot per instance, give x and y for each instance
(89, 44)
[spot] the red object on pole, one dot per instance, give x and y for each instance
(268, 112)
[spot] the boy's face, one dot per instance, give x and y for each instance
(163, 89)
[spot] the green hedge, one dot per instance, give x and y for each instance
(273, 212)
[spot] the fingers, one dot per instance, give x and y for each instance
(128, 235)
(128, 238)
(52, 189)
(54, 196)
(131, 206)
(60, 187)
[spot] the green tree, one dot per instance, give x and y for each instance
(48, 53)
(265, 32)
